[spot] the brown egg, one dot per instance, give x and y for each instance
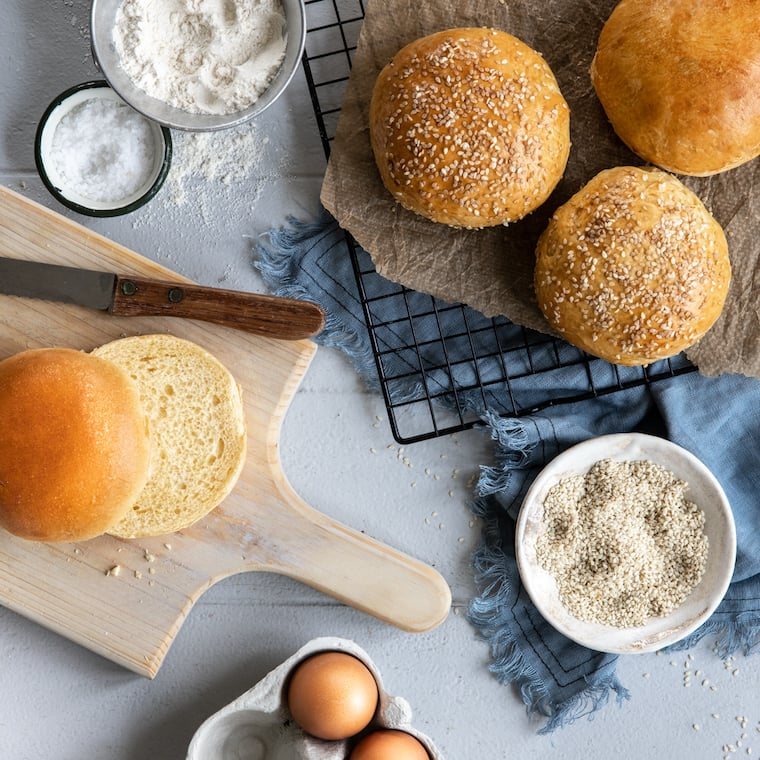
(332, 695)
(389, 744)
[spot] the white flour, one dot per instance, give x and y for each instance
(201, 56)
(216, 179)
(230, 157)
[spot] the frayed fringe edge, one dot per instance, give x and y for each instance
(275, 259)
(512, 449)
(731, 636)
(510, 666)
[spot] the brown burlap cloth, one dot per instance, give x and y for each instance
(492, 269)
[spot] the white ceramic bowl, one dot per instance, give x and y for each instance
(703, 489)
(102, 22)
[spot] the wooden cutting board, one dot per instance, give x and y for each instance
(126, 599)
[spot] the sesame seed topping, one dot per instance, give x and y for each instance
(644, 262)
(472, 117)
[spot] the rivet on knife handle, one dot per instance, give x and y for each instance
(270, 316)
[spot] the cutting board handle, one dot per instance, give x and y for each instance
(352, 567)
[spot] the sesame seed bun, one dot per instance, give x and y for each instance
(680, 82)
(633, 268)
(469, 128)
(74, 445)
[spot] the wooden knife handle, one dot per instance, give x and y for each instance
(270, 316)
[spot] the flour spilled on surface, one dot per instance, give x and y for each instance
(221, 160)
(215, 179)
(201, 56)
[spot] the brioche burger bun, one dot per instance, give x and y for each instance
(74, 444)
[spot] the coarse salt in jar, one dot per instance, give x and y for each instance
(97, 155)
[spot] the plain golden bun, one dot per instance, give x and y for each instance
(633, 268)
(197, 426)
(469, 128)
(680, 81)
(74, 445)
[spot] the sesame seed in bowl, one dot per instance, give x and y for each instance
(626, 543)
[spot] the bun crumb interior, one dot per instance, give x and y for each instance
(197, 425)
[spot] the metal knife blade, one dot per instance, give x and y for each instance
(52, 282)
(123, 295)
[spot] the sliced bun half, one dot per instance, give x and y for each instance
(197, 426)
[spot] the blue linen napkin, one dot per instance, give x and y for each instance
(717, 419)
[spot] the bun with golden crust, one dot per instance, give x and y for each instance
(680, 81)
(633, 268)
(469, 128)
(74, 445)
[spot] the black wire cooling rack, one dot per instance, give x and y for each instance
(440, 364)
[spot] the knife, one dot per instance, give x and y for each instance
(126, 296)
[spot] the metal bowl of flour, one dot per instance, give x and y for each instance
(103, 23)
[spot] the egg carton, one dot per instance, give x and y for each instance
(259, 726)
